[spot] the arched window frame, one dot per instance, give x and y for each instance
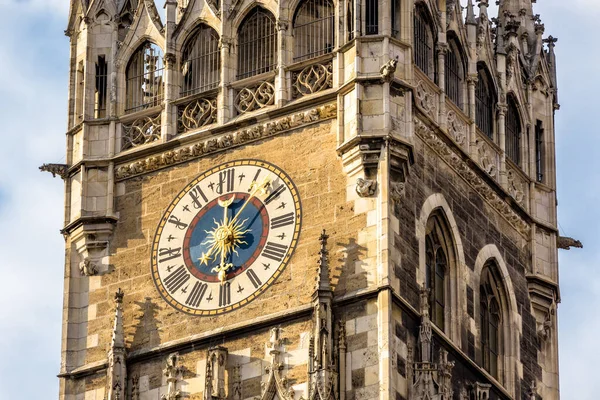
(200, 61)
(257, 54)
(454, 72)
(491, 319)
(513, 131)
(313, 29)
(144, 78)
(484, 102)
(423, 42)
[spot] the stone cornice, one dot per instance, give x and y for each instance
(224, 141)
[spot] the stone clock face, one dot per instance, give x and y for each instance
(226, 237)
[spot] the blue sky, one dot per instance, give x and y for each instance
(33, 87)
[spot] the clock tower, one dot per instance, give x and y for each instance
(310, 199)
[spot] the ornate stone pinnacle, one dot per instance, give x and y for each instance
(323, 270)
(119, 296)
(118, 336)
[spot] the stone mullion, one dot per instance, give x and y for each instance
(502, 108)
(471, 82)
(280, 81)
(441, 49)
(169, 114)
(225, 98)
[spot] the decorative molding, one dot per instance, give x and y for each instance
(366, 187)
(312, 79)
(216, 362)
(135, 387)
(141, 131)
(252, 98)
(90, 242)
(486, 160)
(196, 114)
(172, 372)
(516, 187)
(426, 100)
(55, 169)
(457, 129)
(465, 171)
(277, 383)
(225, 141)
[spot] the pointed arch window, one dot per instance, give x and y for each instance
(490, 320)
(144, 78)
(423, 43)
(257, 44)
(513, 132)
(437, 268)
(201, 61)
(313, 29)
(454, 74)
(484, 104)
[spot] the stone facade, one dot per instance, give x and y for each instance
(426, 266)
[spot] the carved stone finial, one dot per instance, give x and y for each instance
(55, 169)
(117, 369)
(366, 187)
(565, 243)
(387, 70)
(171, 372)
(323, 270)
(216, 362)
(470, 19)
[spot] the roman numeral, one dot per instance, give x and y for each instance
(226, 178)
(274, 251)
(275, 194)
(176, 279)
(253, 278)
(177, 222)
(195, 194)
(282, 220)
(196, 294)
(169, 253)
(224, 294)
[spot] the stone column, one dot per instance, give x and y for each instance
(502, 108)
(280, 81)
(225, 100)
(471, 83)
(441, 50)
(169, 115)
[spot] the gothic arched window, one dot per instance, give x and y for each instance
(423, 43)
(201, 61)
(437, 268)
(144, 78)
(257, 44)
(484, 104)
(513, 132)
(313, 29)
(490, 320)
(454, 74)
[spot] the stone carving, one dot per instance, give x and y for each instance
(387, 70)
(312, 79)
(55, 169)
(236, 383)
(545, 327)
(88, 268)
(485, 159)
(276, 384)
(216, 362)
(532, 392)
(429, 380)
(225, 141)
(198, 113)
(426, 100)
(565, 243)
(116, 373)
(511, 60)
(366, 187)
(171, 372)
(135, 388)
(397, 192)
(516, 187)
(456, 128)
(253, 98)
(467, 173)
(141, 131)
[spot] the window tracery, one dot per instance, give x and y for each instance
(490, 320)
(257, 44)
(513, 132)
(454, 74)
(437, 268)
(313, 29)
(144, 78)
(484, 104)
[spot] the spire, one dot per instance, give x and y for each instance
(323, 270)
(470, 20)
(118, 336)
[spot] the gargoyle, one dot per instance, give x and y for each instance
(565, 243)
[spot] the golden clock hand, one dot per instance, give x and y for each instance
(254, 189)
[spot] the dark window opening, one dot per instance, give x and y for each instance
(257, 45)
(201, 62)
(372, 20)
(484, 104)
(313, 29)
(539, 151)
(101, 85)
(513, 132)
(453, 84)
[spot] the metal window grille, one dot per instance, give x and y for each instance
(513, 133)
(350, 19)
(453, 77)
(145, 78)
(372, 20)
(257, 44)
(313, 29)
(436, 267)
(101, 85)
(484, 105)
(490, 320)
(539, 151)
(395, 10)
(423, 51)
(201, 66)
